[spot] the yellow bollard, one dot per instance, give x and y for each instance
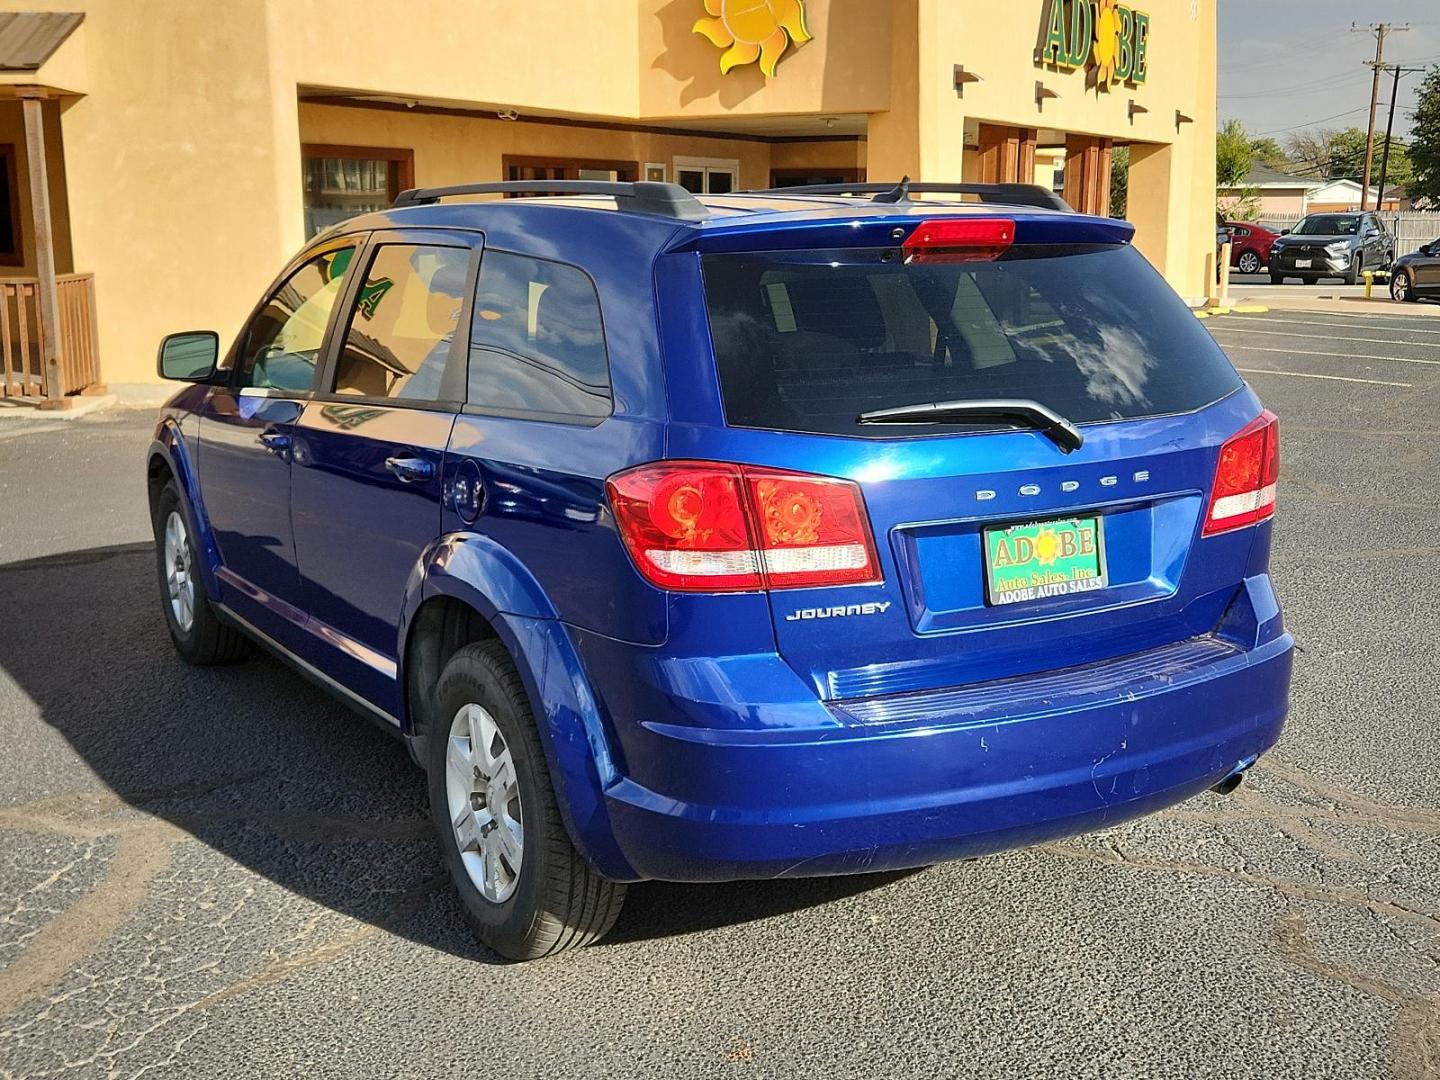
(1369, 276)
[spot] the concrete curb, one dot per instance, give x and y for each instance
(83, 406)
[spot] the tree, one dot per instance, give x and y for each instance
(1119, 181)
(1425, 140)
(1233, 154)
(1269, 152)
(1334, 154)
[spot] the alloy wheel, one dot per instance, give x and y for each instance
(1400, 286)
(1249, 262)
(483, 797)
(178, 581)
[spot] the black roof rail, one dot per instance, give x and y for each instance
(1014, 194)
(639, 197)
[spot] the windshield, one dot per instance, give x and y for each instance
(1329, 225)
(806, 341)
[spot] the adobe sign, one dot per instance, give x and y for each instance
(1108, 39)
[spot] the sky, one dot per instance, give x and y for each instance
(1288, 65)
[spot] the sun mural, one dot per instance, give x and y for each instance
(753, 29)
(1107, 42)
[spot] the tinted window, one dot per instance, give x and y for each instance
(536, 342)
(283, 342)
(1329, 225)
(400, 334)
(806, 343)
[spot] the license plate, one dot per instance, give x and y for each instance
(1044, 559)
(1301, 264)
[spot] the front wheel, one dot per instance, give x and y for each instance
(1277, 279)
(1352, 276)
(199, 635)
(526, 890)
(1248, 263)
(1400, 290)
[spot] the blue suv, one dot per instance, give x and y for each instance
(778, 533)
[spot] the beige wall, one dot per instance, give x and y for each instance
(181, 150)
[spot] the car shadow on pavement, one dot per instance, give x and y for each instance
(260, 766)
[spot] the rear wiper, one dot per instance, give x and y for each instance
(1045, 420)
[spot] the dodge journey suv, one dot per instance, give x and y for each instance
(777, 533)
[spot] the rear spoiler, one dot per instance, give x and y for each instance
(868, 229)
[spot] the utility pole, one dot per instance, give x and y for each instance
(1389, 125)
(1379, 30)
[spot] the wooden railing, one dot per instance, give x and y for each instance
(22, 350)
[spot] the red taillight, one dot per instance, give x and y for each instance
(959, 240)
(1245, 476)
(699, 526)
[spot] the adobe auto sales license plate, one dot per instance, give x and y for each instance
(1302, 264)
(1043, 559)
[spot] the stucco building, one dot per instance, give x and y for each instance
(192, 145)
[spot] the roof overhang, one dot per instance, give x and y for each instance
(44, 50)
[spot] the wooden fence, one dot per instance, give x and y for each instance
(22, 336)
(1412, 229)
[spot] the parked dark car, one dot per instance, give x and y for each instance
(1417, 275)
(750, 536)
(1332, 245)
(1250, 245)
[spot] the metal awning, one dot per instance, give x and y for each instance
(29, 38)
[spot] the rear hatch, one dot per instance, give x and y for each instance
(1003, 550)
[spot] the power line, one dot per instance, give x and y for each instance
(1310, 123)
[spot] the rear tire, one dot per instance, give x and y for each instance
(199, 636)
(1401, 289)
(1248, 263)
(487, 775)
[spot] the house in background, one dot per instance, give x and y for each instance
(1334, 196)
(1279, 194)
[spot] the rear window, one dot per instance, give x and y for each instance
(806, 341)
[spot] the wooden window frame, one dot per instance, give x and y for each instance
(11, 165)
(400, 176)
(569, 166)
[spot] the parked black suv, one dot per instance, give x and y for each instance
(1332, 245)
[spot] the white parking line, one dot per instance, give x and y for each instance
(1289, 333)
(1312, 375)
(1340, 355)
(1306, 322)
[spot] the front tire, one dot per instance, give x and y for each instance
(1277, 279)
(1400, 287)
(526, 890)
(199, 636)
(1352, 276)
(1248, 262)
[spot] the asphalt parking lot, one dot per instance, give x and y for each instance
(221, 873)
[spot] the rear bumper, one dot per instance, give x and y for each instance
(914, 779)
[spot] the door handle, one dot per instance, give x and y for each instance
(275, 440)
(410, 469)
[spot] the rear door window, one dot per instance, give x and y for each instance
(807, 341)
(537, 344)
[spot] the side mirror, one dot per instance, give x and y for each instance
(1284, 232)
(190, 356)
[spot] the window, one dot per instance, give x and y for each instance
(343, 181)
(401, 331)
(1239, 230)
(707, 176)
(536, 342)
(542, 168)
(282, 344)
(800, 177)
(808, 342)
(11, 253)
